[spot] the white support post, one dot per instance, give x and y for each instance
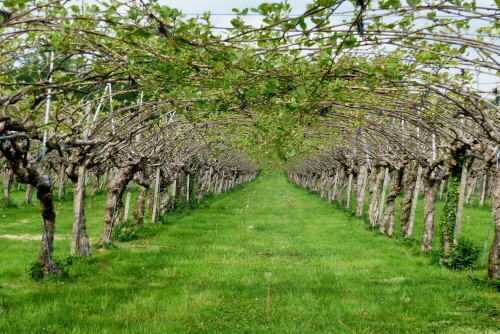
(127, 200)
(433, 147)
(47, 107)
(155, 194)
(111, 107)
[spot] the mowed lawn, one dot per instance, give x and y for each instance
(268, 258)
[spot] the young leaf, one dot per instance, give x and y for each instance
(301, 90)
(413, 3)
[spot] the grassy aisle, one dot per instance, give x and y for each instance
(270, 258)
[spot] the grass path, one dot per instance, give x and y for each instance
(270, 258)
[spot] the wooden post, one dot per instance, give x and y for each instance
(210, 171)
(28, 198)
(233, 181)
(7, 184)
(441, 188)
(155, 195)
(471, 189)
(104, 180)
(174, 186)
(127, 200)
(484, 189)
(221, 183)
(62, 181)
(335, 182)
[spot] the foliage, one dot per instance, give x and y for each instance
(178, 205)
(74, 259)
(435, 256)
(448, 219)
(71, 266)
(8, 203)
(107, 246)
(463, 255)
(128, 231)
(35, 271)
(410, 241)
(485, 280)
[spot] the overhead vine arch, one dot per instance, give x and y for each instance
(139, 88)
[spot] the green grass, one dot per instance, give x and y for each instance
(210, 270)
(475, 220)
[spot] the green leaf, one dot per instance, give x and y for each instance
(223, 107)
(333, 39)
(327, 3)
(237, 23)
(142, 33)
(302, 24)
(301, 90)
(394, 4)
(350, 41)
(413, 3)
(200, 105)
(9, 4)
(182, 28)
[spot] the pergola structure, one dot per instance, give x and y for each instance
(348, 93)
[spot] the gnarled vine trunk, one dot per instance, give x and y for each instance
(429, 212)
(339, 194)
(140, 206)
(27, 171)
(471, 188)
(45, 196)
(140, 209)
(391, 203)
(494, 254)
(80, 240)
(375, 188)
(114, 196)
(409, 186)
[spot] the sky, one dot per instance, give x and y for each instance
(220, 7)
(225, 6)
